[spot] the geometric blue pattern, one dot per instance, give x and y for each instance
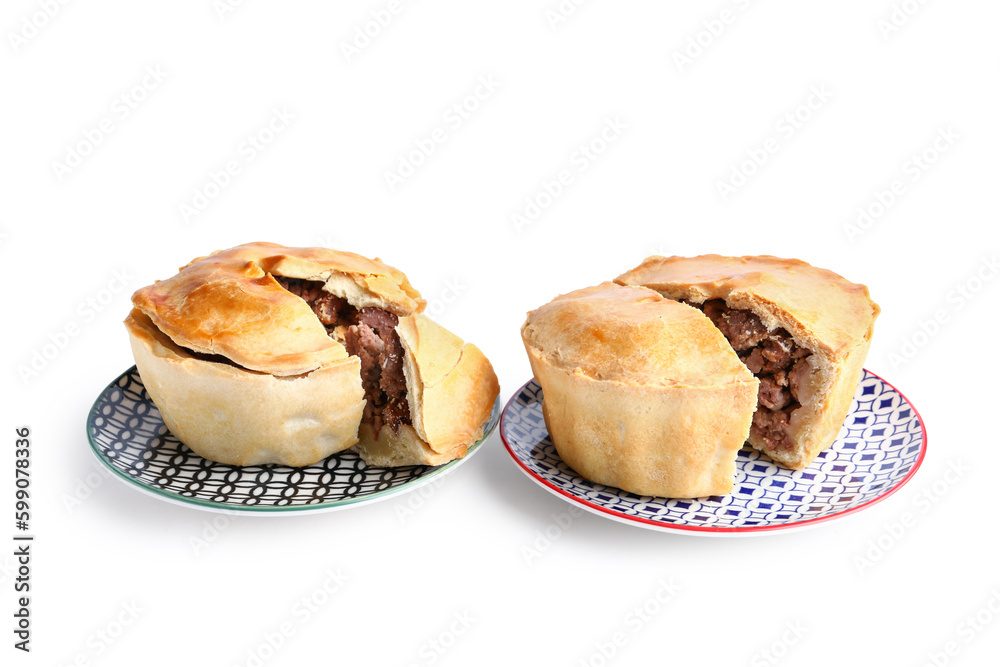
(129, 437)
(878, 449)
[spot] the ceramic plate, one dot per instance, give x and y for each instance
(129, 437)
(878, 450)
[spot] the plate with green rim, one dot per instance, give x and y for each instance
(128, 436)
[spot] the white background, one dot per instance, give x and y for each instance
(889, 90)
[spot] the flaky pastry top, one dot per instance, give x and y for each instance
(230, 304)
(632, 335)
(822, 308)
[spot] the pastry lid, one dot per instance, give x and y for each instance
(229, 304)
(836, 312)
(632, 335)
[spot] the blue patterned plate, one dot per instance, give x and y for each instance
(878, 450)
(128, 436)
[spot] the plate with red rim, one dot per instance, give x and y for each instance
(879, 449)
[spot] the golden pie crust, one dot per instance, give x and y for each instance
(640, 392)
(232, 415)
(229, 304)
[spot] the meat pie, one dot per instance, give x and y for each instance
(803, 331)
(267, 354)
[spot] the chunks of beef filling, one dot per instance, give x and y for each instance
(329, 308)
(777, 361)
(371, 336)
(375, 341)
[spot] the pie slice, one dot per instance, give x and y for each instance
(640, 392)
(802, 331)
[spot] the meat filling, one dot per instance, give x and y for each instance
(369, 334)
(329, 308)
(375, 341)
(777, 361)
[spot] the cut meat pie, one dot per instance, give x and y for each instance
(267, 354)
(803, 331)
(640, 392)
